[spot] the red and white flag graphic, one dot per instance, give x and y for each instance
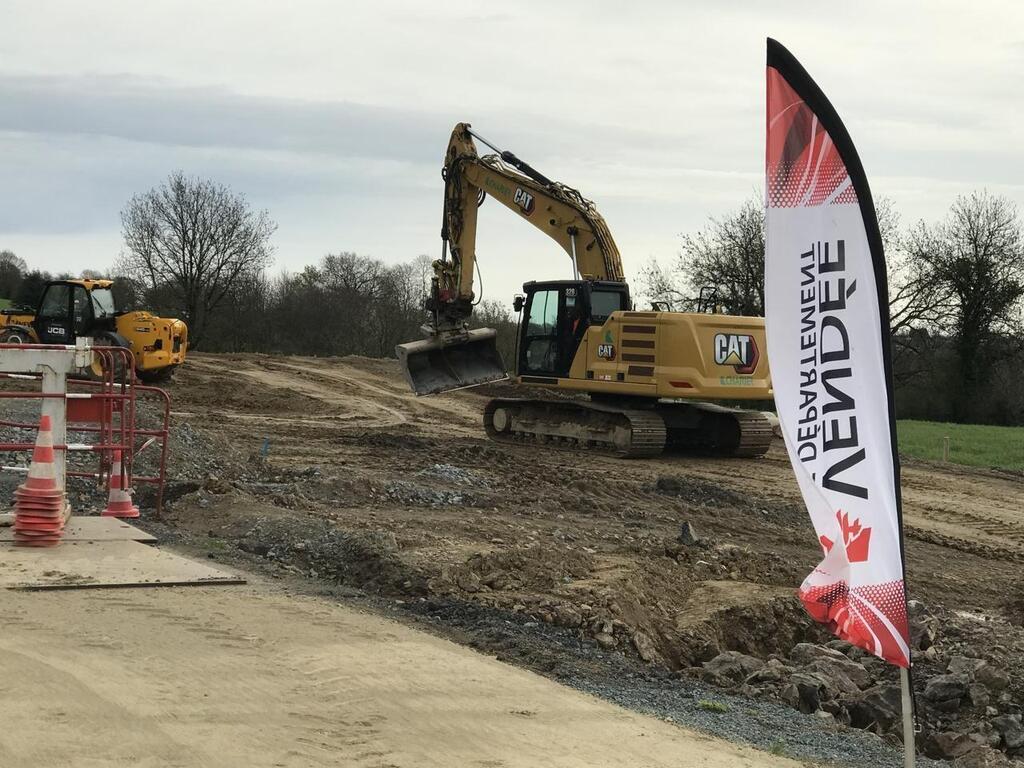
(826, 312)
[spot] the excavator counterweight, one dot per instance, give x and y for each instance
(443, 362)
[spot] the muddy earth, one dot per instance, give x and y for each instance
(665, 585)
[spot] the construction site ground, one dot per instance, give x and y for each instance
(364, 514)
(246, 677)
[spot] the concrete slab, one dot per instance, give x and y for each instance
(92, 529)
(85, 564)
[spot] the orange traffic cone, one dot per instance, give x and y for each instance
(39, 503)
(119, 504)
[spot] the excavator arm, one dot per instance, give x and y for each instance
(452, 356)
(557, 210)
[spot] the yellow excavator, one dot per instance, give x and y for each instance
(638, 376)
(69, 309)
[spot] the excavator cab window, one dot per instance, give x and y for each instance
(555, 319)
(540, 337)
(604, 302)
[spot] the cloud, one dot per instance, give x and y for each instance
(139, 110)
(335, 118)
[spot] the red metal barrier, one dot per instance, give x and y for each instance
(105, 407)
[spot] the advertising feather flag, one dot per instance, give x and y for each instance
(827, 319)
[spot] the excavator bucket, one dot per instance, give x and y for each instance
(440, 363)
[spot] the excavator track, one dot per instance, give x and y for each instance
(577, 424)
(628, 432)
(715, 428)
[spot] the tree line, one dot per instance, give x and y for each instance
(194, 249)
(956, 300)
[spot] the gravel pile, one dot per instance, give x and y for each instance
(417, 495)
(452, 474)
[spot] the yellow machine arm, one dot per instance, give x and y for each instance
(557, 210)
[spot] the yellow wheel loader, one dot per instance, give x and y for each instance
(71, 309)
(639, 375)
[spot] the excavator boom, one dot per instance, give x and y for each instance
(452, 356)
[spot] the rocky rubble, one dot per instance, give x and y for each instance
(967, 706)
(967, 702)
(362, 559)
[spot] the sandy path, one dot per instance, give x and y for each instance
(251, 676)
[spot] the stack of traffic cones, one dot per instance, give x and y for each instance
(39, 503)
(119, 502)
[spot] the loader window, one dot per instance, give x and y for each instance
(103, 302)
(55, 303)
(81, 307)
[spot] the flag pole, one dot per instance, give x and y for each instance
(909, 748)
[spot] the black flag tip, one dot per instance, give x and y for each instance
(779, 57)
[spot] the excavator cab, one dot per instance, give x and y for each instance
(556, 315)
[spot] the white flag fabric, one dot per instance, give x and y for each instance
(827, 319)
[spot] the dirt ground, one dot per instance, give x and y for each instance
(568, 563)
(380, 458)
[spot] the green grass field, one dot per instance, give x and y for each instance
(5, 303)
(976, 445)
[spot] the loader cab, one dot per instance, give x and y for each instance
(69, 309)
(555, 317)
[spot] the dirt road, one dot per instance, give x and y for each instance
(253, 676)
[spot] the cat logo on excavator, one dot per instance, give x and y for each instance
(524, 200)
(738, 350)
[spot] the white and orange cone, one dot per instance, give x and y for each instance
(119, 503)
(40, 505)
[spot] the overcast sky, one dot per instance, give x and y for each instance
(335, 115)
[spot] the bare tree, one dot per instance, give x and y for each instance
(496, 315)
(12, 268)
(423, 271)
(193, 240)
(918, 301)
(663, 286)
(976, 257)
(727, 256)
